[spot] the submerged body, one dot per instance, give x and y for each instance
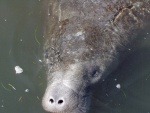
(84, 39)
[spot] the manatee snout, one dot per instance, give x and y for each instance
(69, 90)
(58, 99)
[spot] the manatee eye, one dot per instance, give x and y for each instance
(95, 73)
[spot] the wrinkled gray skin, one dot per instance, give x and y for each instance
(83, 41)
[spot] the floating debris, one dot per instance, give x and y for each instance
(118, 86)
(12, 86)
(147, 77)
(115, 79)
(5, 20)
(5, 87)
(38, 97)
(18, 69)
(123, 93)
(20, 99)
(26, 90)
(2, 106)
(40, 60)
(107, 95)
(33, 62)
(35, 36)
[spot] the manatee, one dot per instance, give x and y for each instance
(84, 40)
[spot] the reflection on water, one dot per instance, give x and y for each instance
(21, 44)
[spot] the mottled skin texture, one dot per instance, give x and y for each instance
(83, 41)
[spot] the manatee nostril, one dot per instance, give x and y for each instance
(60, 101)
(51, 100)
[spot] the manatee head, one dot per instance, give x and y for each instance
(69, 88)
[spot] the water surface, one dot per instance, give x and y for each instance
(21, 45)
